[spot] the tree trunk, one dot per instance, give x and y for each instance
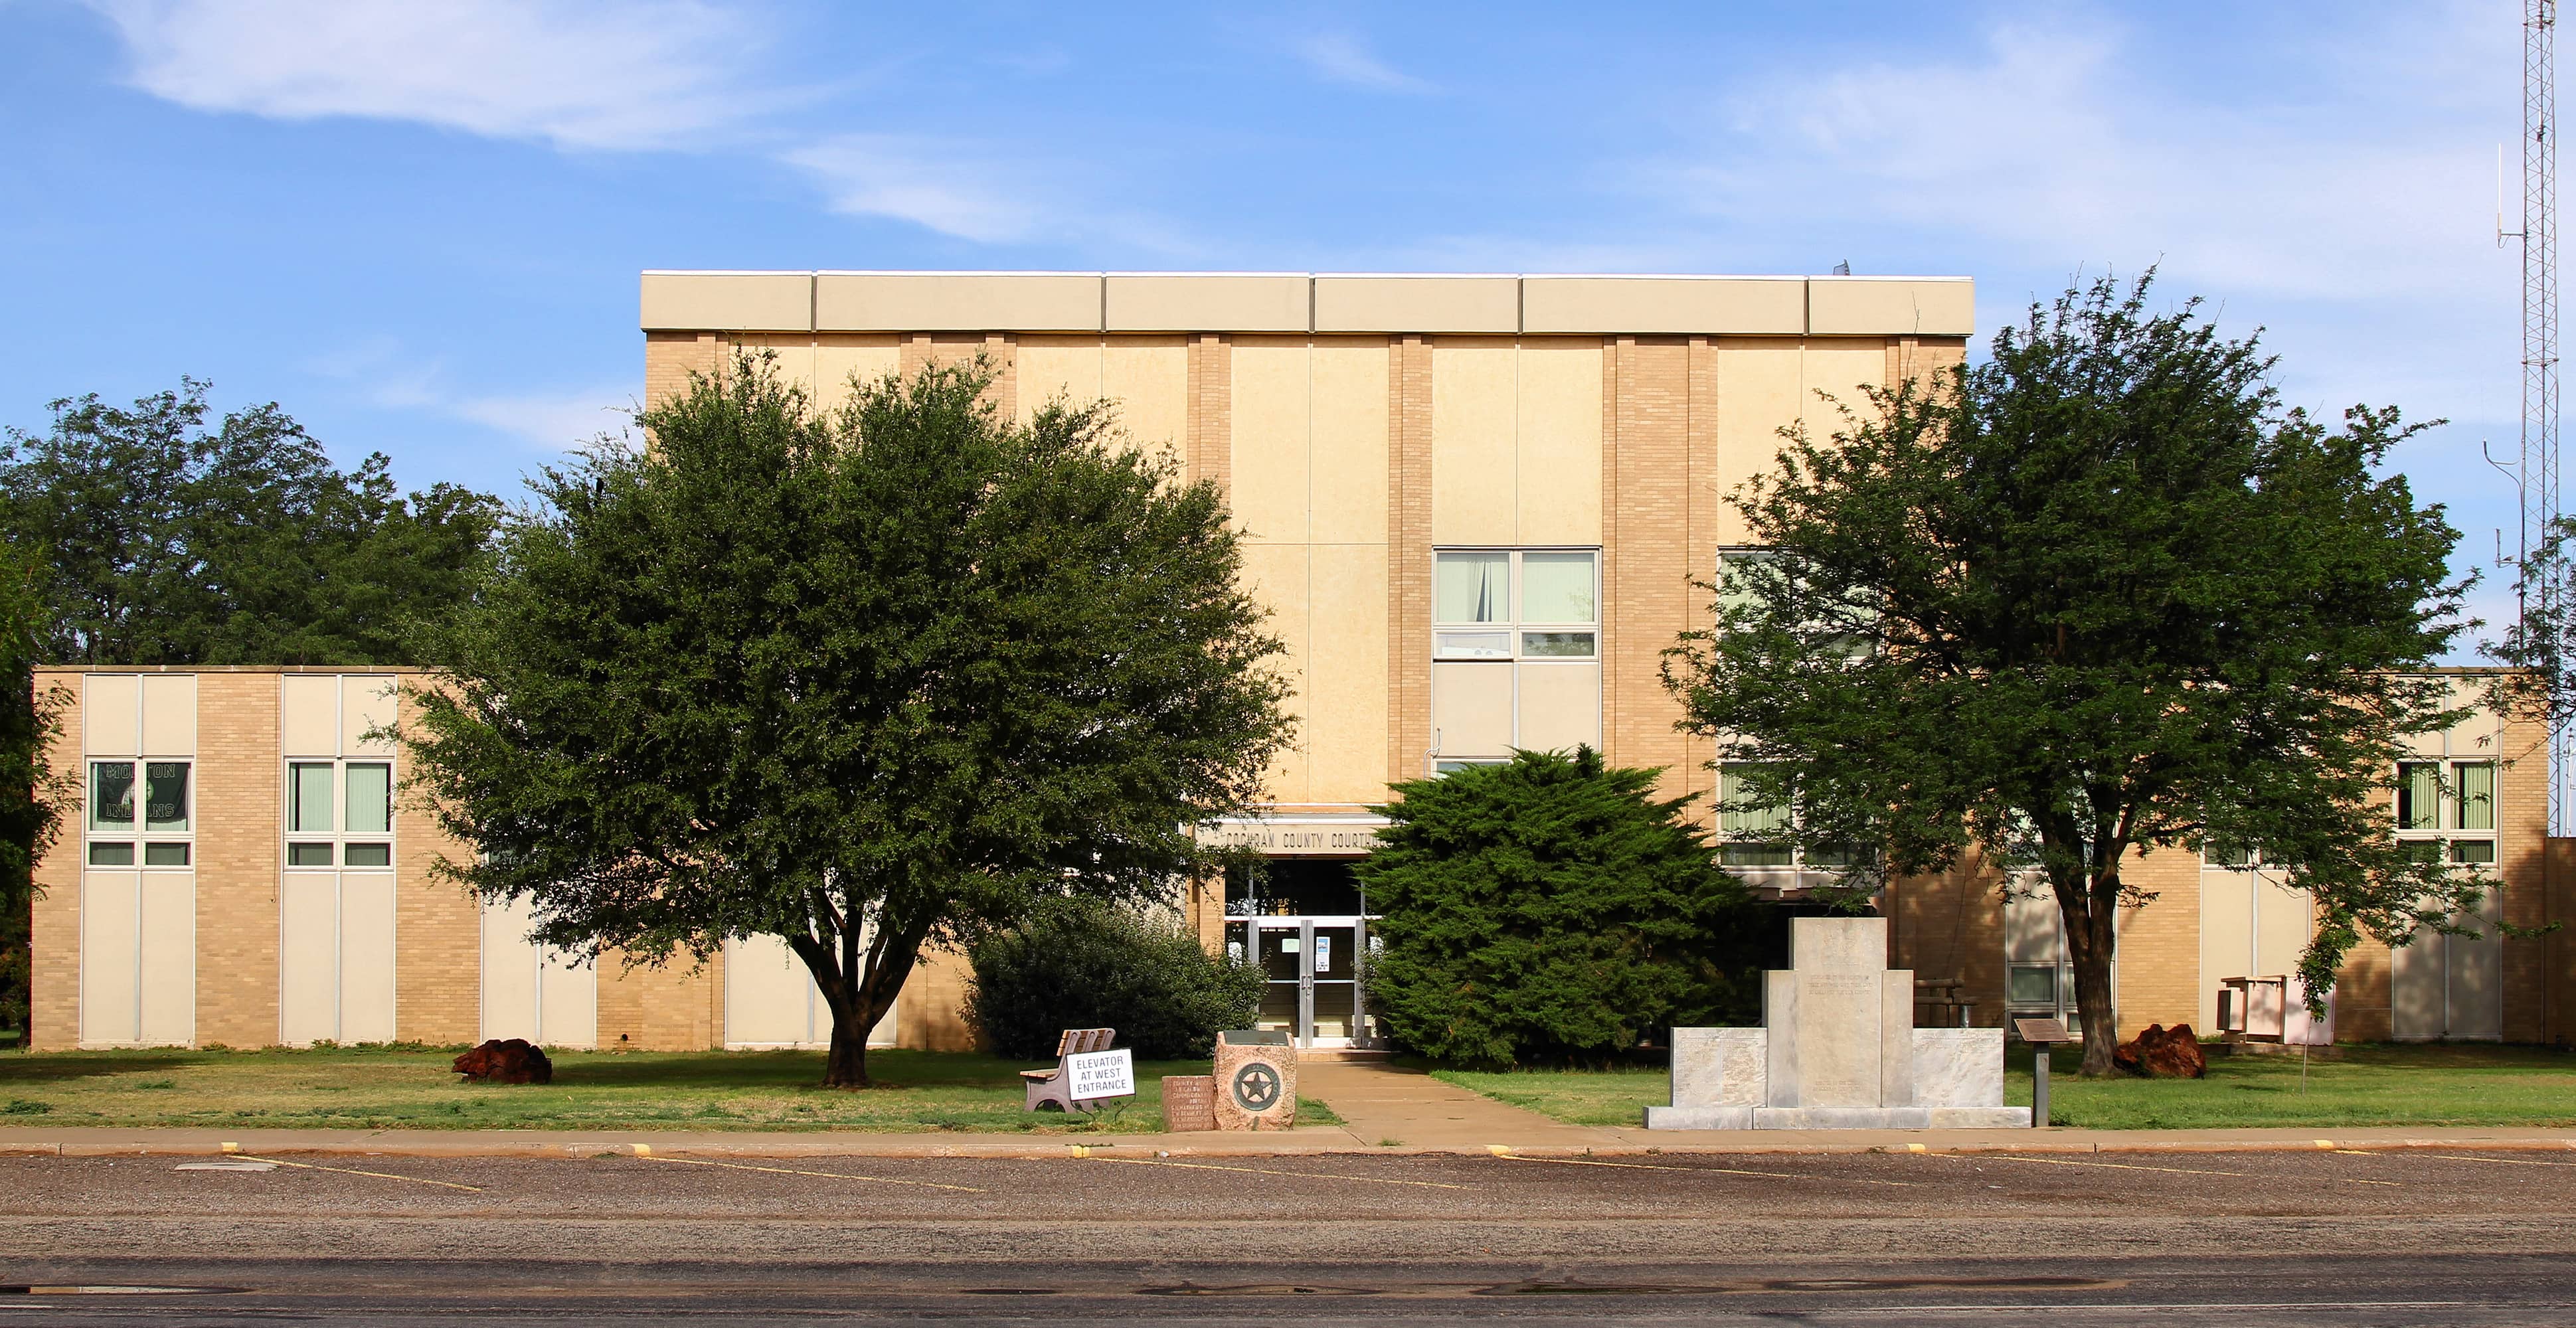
(846, 1066)
(2091, 944)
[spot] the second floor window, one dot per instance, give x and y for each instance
(339, 814)
(2447, 809)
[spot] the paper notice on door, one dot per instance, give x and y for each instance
(1323, 953)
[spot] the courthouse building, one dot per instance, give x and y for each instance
(1474, 505)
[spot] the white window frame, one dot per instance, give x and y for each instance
(140, 839)
(1797, 873)
(2447, 832)
(340, 837)
(1515, 631)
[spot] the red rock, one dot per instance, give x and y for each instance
(2163, 1053)
(510, 1061)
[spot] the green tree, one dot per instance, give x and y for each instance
(1549, 908)
(862, 680)
(34, 796)
(2097, 596)
(168, 542)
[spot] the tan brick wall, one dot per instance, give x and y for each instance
(1208, 451)
(678, 1006)
(1952, 926)
(669, 359)
(438, 931)
(53, 1015)
(240, 777)
(2522, 841)
(2159, 961)
(928, 1012)
(2558, 973)
(1408, 552)
(1646, 530)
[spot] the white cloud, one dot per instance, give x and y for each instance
(554, 421)
(625, 76)
(944, 186)
(1343, 58)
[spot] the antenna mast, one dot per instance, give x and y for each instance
(2540, 481)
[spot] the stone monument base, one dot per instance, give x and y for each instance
(1837, 1118)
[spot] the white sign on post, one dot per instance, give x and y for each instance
(1099, 1074)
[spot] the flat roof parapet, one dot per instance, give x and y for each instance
(1299, 302)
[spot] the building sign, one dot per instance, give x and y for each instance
(1295, 838)
(1099, 1074)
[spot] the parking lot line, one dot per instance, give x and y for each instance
(1272, 1171)
(353, 1171)
(1724, 1171)
(791, 1171)
(2499, 1161)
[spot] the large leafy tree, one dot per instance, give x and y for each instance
(1550, 908)
(862, 680)
(2099, 595)
(34, 796)
(163, 539)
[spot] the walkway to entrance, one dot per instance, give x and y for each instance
(1386, 1103)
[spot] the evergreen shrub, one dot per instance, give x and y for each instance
(1551, 910)
(1089, 964)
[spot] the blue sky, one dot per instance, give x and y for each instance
(418, 227)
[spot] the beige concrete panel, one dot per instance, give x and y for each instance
(367, 956)
(1474, 443)
(2226, 937)
(509, 987)
(1205, 302)
(1560, 707)
(769, 996)
(568, 1000)
(169, 714)
(1759, 388)
(308, 714)
(308, 958)
(1471, 709)
(728, 301)
(1053, 367)
(1842, 371)
(1277, 575)
(1345, 729)
(110, 931)
(167, 1000)
(367, 703)
(1348, 425)
(2475, 1005)
(1149, 379)
(840, 359)
(1891, 306)
(2282, 920)
(1558, 435)
(111, 723)
(957, 302)
(792, 352)
(1272, 440)
(1665, 306)
(2416, 981)
(1417, 304)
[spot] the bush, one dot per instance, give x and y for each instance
(1085, 964)
(1551, 910)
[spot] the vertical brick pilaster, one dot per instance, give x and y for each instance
(1706, 501)
(438, 924)
(1209, 454)
(1001, 352)
(1408, 540)
(669, 359)
(2522, 880)
(1649, 600)
(53, 969)
(241, 775)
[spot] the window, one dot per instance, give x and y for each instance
(159, 830)
(339, 813)
(2446, 811)
(1760, 840)
(1515, 649)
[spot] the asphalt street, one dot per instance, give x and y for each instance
(2468, 1237)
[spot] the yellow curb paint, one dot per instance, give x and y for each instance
(352, 1171)
(643, 1150)
(1723, 1171)
(791, 1171)
(2325, 1143)
(229, 1147)
(1916, 1148)
(1499, 1150)
(1306, 1175)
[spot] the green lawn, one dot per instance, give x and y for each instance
(2372, 1084)
(413, 1088)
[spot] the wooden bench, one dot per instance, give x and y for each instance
(1047, 1086)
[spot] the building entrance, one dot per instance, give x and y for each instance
(1304, 922)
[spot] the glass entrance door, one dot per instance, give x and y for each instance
(1317, 993)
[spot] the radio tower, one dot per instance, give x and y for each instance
(2539, 470)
